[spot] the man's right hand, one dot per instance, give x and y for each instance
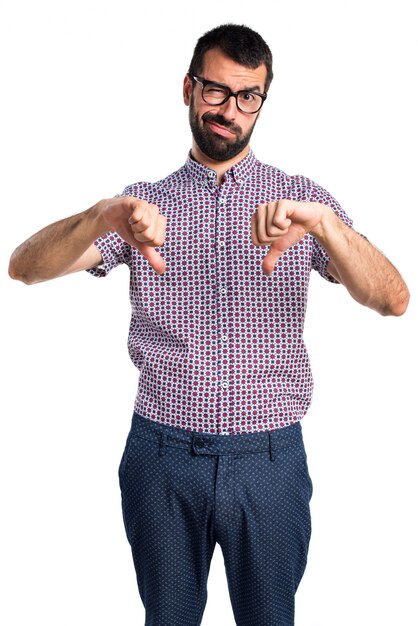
(68, 245)
(139, 223)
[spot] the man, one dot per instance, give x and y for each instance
(215, 451)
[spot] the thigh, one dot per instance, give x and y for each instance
(167, 508)
(268, 536)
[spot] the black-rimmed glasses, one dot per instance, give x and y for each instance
(217, 94)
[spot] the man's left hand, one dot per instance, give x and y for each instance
(280, 225)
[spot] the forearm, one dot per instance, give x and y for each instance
(50, 252)
(369, 277)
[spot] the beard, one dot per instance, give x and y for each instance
(215, 146)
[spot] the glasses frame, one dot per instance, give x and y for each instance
(235, 94)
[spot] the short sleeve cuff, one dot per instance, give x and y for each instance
(114, 251)
(321, 262)
(107, 264)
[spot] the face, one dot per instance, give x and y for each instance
(222, 132)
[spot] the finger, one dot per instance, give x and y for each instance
(145, 235)
(143, 216)
(254, 236)
(153, 257)
(255, 231)
(271, 222)
(155, 234)
(278, 221)
(270, 260)
(151, 228)
(261, 216)
(261, 225)
(275, 227)
(139, 209)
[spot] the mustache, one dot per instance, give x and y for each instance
(219, 119)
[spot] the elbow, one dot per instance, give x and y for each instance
(13, 271)
(17, 274)
(398, 306)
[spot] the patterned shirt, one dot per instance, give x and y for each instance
(218, 344)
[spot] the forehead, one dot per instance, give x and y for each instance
(222, 69)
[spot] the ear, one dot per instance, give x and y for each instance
(187, 89)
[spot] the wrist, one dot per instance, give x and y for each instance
(327, 222)
(95, 214)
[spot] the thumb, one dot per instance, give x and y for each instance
(270, 260)
(153, 257)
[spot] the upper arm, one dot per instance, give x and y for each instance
(90, 258)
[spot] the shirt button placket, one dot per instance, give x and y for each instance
(223, 338)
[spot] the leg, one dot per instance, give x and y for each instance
(167, 506)
(266, 535)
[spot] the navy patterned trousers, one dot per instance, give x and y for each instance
(184, 491)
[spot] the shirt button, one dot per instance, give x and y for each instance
(225, 384)
(222, 244)
(224, 337)
(223, 291)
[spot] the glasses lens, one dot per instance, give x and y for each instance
(214, 94)
(249, 102)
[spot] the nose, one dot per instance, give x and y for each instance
(229, 109)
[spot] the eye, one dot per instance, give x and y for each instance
(214, 90)
(247, 96)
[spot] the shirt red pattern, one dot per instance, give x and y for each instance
(219, 345)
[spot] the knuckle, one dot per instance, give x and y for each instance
(265, 241)
(149, 233)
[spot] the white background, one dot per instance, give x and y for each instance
(91, 101)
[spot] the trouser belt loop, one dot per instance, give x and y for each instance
(271, 446)
(163, 443)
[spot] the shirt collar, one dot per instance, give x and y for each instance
(238, 172)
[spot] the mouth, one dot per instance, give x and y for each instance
(220, 130)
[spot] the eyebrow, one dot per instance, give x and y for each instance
(255, 88)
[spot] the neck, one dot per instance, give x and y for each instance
(220, 167)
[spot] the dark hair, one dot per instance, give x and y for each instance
(240, 43)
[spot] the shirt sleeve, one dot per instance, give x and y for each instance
(114, 251)
(320, 257)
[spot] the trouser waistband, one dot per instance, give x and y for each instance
(203, 443)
